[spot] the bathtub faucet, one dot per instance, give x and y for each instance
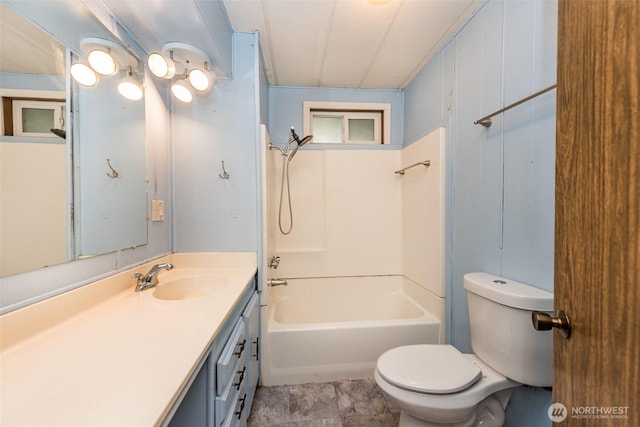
(151, 279)
(276, 282)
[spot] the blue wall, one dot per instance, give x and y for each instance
(212, 214)
(286, 104)
(32, 82)
(501, 179)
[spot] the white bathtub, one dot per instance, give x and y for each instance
(321, 330)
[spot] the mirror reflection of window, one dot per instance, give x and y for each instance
(37, 118)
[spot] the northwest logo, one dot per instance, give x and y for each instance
(557, 412)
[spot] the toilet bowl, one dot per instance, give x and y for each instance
(454, 395)
(437, 385)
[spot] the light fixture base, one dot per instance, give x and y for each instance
(119, 53)
(189, 56)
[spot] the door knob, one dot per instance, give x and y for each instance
(544, 322)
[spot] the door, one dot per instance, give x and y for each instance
(597, 255)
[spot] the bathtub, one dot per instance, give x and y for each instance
(327, 329)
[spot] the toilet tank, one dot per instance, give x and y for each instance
(502, 333)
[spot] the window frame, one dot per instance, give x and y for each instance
(18, 105)
(353, 110)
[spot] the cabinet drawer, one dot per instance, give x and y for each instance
(232, 353)
(235, 418)
(251, 316)
(227, 403)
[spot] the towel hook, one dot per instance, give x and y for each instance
(224, 174)
(114, 173)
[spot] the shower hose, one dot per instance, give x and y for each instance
(285, 176)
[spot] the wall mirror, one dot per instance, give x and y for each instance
(79, 191)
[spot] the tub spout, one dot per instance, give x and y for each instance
(276, 282)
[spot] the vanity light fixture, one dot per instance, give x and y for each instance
(161, 65)
(180, 61)
(106, 58)
(200, 80)
(84, 74)
(129, 87)
(182, 90)
(102, 62)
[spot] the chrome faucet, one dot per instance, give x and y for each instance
(273, 262)
(276, 282)
(151, 279)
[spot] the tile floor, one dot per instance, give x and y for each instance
(348, 403)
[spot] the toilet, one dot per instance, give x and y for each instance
(437, 385)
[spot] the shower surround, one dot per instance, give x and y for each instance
(364, 260)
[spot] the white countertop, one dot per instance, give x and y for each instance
(119, 361)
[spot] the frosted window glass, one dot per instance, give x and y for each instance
(37, 120)
(361, 129)
(327, 129)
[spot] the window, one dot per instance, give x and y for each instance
(37, 118)
(347, 123)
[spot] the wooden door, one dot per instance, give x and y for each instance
(597, 255)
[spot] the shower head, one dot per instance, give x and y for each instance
(299, 142)
(305, 140)
(297, 139)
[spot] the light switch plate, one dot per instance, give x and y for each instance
(157, 210)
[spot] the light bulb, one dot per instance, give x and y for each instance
(102, 62)
(83, 74)
(198, 80)
(181, 91)
(130, 88)
(161, 65)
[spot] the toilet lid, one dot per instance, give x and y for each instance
(435, 369)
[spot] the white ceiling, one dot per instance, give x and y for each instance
(327, 43)
(348, 43)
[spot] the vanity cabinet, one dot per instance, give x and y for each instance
(231, 368)
(221, 391)
(251, 316)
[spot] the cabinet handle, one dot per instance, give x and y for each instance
(240, 378)
(239, 411)
(241, 349)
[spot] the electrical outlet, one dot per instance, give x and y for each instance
(157, 210)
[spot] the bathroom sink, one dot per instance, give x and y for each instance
(189, 287)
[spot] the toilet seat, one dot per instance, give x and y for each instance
(431, 369)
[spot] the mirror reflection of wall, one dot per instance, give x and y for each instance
(37, 184)
(33, 161)
(112, 194)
